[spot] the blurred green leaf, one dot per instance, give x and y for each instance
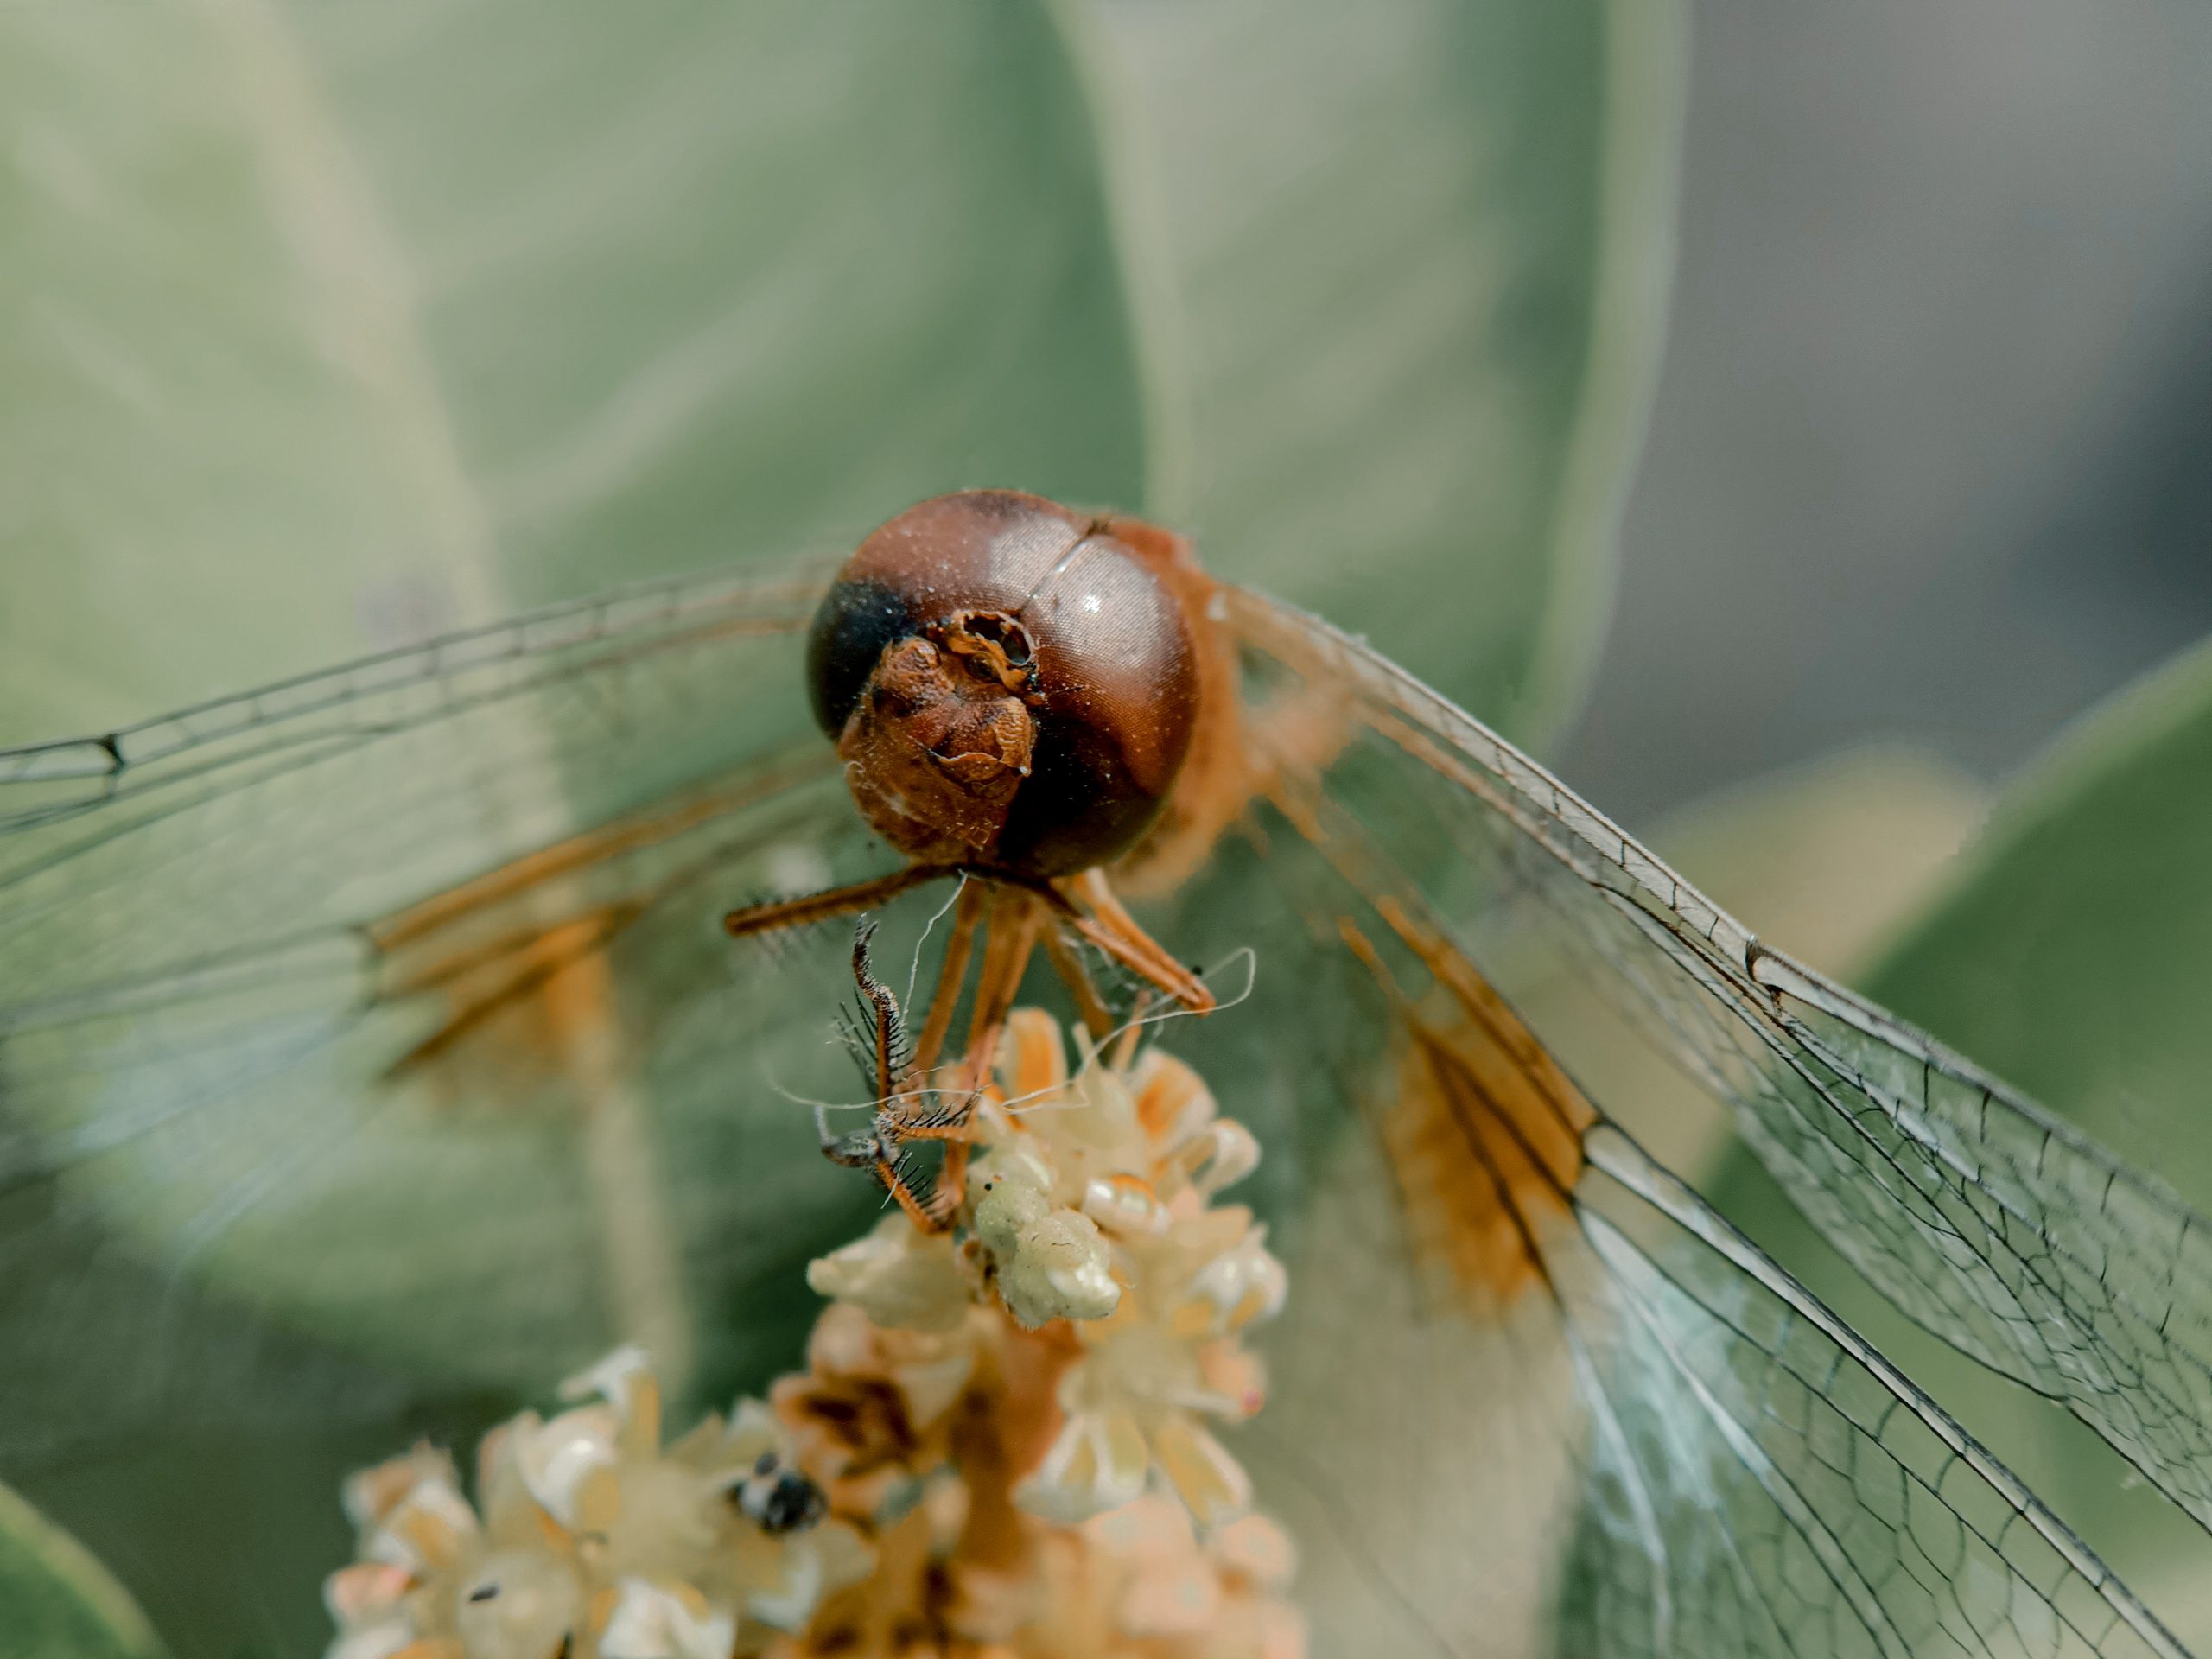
(375, 319)
(192, 1443)
(1825, 860)
(2071, 954)
(2071, 958)
(325, 324)
(55, 1600)
(587, 298)
(1404, 270)
(2066, 950)
(329, 324)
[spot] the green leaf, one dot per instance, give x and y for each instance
(2069, 954)
(194, 1443)
(59, 1603)
(324, 324)
(370, 320)
(2070, 957)
(328, 324)
(1403, 266)
(708, 281)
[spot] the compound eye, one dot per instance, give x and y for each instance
(859, 621)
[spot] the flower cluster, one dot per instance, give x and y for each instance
(1000, 1445)
(1110, 1176)
(592, 1537)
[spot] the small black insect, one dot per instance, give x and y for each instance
(778, 1499)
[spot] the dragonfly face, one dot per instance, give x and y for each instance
(1010, 683)
(1017, 692)
(374, 1034)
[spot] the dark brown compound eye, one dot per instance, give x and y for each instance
(1011, 683)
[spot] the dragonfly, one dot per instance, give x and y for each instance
(393, 1010)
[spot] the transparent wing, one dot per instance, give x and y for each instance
(1762, 1482)
(1531, 1394)
(393, 1002)
(1968, 1206)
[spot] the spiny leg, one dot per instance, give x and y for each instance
(873, 1035)
(907, 1120)
(1114, 931)
(877, 1038)
(874, 1150)
(928, 1216)
(886, 1030)
(1019, 912)
(860, 1150)
(803, 912)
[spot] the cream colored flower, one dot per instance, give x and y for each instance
(1003, 1441)
(898, 1276)
(659, 1621)
(1139, 1584)
(1093, 1204)
(590, 1535)
(1051, 1262)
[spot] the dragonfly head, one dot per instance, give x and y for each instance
(1009, 683)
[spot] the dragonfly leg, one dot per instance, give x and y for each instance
(927, 1215)
(776, 915)
(967, 916)
(1098, 1018)
(1125, 1049)
(951, 1128)
(903, 1113)
(876, 1150)
(1093, 912)
(1017, 917)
